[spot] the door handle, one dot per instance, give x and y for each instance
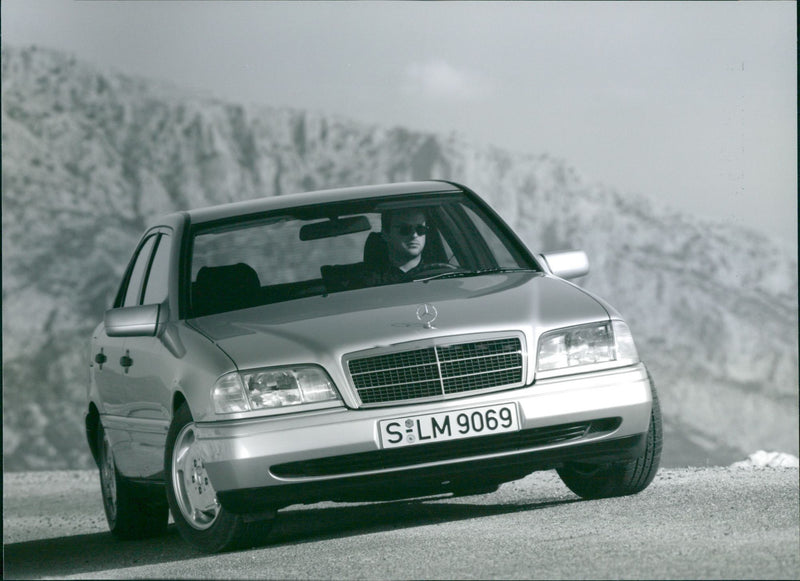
(100, 358)
(126, 361)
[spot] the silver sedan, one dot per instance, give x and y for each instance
(360, 344)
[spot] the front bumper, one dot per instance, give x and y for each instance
(336, 454)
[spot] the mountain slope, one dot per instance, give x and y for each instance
(90, 156)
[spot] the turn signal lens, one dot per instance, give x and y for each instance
(228, 395)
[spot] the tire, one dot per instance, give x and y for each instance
(132, 512)
(201, 520)
(593, 481)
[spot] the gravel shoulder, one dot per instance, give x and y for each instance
(690, 523)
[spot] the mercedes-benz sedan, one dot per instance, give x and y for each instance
(360, 344)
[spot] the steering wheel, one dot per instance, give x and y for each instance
(435, 268)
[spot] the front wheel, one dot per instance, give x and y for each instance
(201, 520)
(603, 481)
(132, 512)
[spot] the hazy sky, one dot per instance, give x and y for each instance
(690, 102)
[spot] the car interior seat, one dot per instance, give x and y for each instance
(225, 288)
(376, 252)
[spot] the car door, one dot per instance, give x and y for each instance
(151, 370)
(108, 368)
(134, 413)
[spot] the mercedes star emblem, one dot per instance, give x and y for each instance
(427, 315)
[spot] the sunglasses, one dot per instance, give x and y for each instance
(408, 229)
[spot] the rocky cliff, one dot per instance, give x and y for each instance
(90, 155)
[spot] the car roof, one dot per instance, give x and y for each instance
(259, 205)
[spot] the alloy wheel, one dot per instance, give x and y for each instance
(194, 493)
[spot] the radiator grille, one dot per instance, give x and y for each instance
(437, 371)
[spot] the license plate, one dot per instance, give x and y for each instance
(422, 429)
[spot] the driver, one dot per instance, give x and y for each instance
(404, 232)
(396, 256)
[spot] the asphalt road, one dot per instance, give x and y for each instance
(691, 523)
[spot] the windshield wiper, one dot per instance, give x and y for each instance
(479, 272)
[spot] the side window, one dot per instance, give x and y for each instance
(155, 289)
(138, 273)
(502, 254)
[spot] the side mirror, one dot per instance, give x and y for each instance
(132, 321)
(570, 264)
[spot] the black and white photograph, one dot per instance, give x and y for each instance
(400, 289)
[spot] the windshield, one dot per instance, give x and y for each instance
(329, 248)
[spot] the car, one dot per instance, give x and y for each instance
(359, 344)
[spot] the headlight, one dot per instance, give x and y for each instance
(607, 342)
(271, 388)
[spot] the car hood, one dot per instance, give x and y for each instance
(322, 329)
